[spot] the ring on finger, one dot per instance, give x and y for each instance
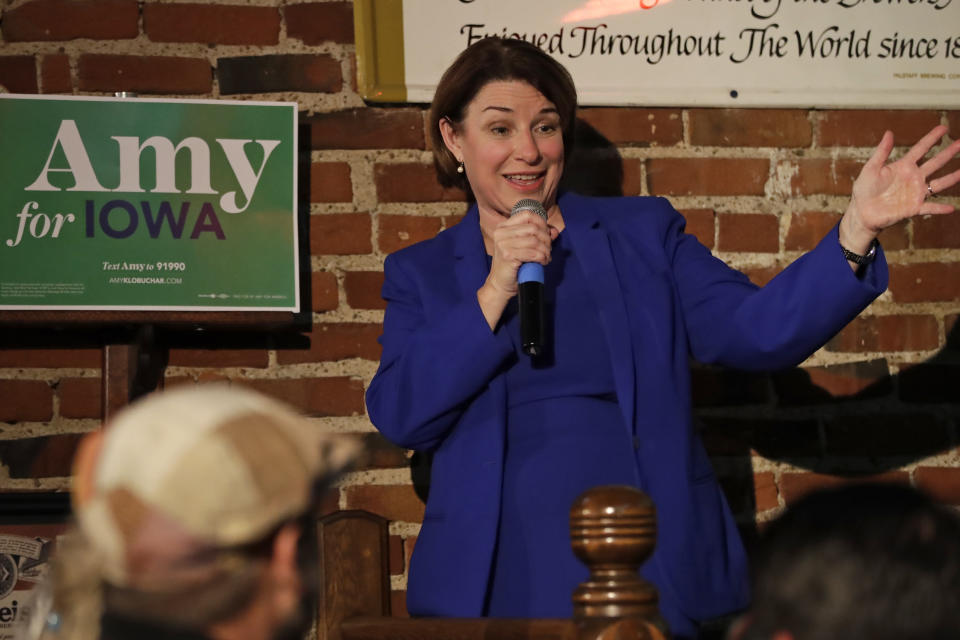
(930, 191)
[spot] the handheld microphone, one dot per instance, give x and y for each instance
(530, 291)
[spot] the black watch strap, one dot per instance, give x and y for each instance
(867, 258)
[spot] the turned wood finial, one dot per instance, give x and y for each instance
(613, 530)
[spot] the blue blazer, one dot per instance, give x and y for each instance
(662, 298)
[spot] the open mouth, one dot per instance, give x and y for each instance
(524, 179)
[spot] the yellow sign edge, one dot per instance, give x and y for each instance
(378, 32)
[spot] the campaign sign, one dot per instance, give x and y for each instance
(147, 204)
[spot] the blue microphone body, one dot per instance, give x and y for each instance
(530, 291)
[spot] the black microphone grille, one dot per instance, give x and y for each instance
(528, 204)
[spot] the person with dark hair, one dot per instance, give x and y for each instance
(862, 562)
(195, 514)
(630, 298)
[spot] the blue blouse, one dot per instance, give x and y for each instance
(562, 418)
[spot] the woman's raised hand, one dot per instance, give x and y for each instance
(521, 238)
(887, 192)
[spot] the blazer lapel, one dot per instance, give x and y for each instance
(591, 245)
(470, 259)
(470, 264)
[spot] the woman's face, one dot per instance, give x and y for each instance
(511, 145)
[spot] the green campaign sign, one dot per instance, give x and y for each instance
(147, 204)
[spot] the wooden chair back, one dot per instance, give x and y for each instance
(612, 530)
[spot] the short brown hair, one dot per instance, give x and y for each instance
(488, 60)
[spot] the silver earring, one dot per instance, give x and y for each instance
(460, 168)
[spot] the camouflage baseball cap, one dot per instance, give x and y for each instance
(194, 469)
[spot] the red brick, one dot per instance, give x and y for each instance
(367, 128)
(211, 24)
(202, 377)
(410, 182)
(953, 123)
(750, 128)
(633, 126)
(864, 128)
(895, 238)
(279, 72)
(449, 221)
(323, 292)
(860, 379)
(363, 289)
(318, 22)
(352, 63)
(794, 486)
(954, 191)
(330, 182)
(824, 176)
(393, 502)
(632, 177)
(70, 19)
(396, 556)
(950, 167)
(765, 492)
(330, 502)
(25, 401)
(886, 435)
(827, 384)
(707, 176)
(340, 234)
(380, 453)
(888, 333)
(762, 275)
(925, 282)
(318, 397)
(397, 232)
(756, 232)
(952, 329)
(208, 357)
(18, 74)
(942, 483)
(145, 74)
(594, 169)
(398, 604)
(701, 223)
(808, 228)
(55, 74)
(81, 358)
(427, 125)
(408, 545)
(44, 457)
(936, 232)
(81, 397)
(336, 341)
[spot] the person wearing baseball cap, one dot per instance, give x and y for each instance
(194, 517)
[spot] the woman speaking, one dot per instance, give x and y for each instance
(630, 298)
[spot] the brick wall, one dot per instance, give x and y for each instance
(758, 187)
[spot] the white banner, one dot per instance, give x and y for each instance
(734, 53)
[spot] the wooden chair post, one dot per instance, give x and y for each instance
(613, 531)
(354, 570)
